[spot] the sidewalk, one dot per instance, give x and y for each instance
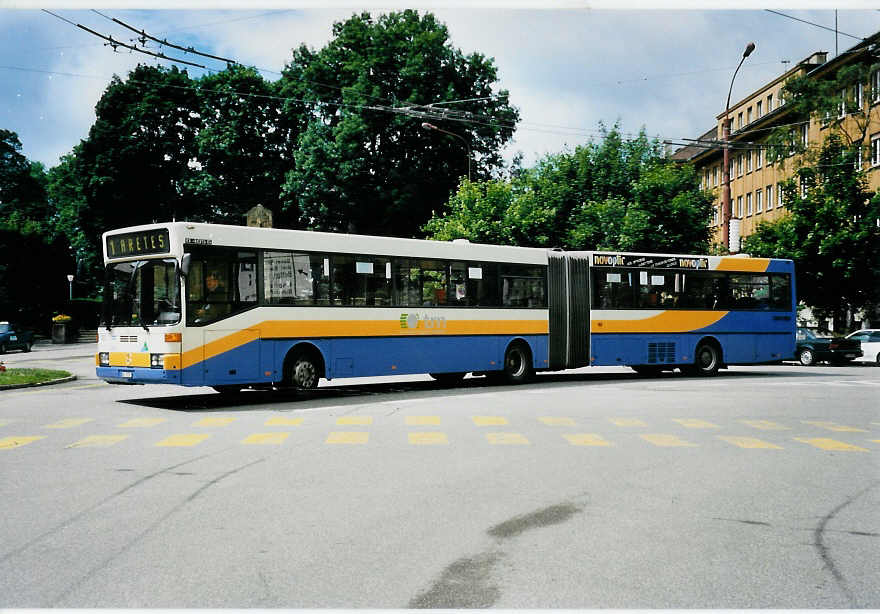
(77, 358)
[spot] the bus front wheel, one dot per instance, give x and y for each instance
(518, 364)
(707, 360)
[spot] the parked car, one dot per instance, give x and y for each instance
(869, 338)
(811, 348)
(14, 337)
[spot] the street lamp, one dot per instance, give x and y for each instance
(70, 283)
(428, 126)
(725, 172)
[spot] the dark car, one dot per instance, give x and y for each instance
(14, 337)
(811, 348)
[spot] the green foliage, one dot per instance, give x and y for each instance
(18, 377)
(23, 204)
(832, 233)
(358, 168)
(617, 194)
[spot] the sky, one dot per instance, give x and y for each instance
(567, 69)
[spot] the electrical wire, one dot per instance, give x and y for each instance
(814, 24)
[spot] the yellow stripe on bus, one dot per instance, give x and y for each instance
(746, 265)
(666, 322)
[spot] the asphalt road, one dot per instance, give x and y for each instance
(589, 489)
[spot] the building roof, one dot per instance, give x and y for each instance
(689, 152)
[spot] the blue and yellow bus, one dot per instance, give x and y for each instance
(236, 307)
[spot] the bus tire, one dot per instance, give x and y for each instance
(518, 367)
(707, 360)
(305, 371)
(448, 378)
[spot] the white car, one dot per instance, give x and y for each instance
(870, 340)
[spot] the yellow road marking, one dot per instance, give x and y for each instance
(68, 423)
(587, 439)
(423, 420)
(427, 439)
(830, 444)
(182, 440)
(101, 385)
(668, 441)
(355, 421)
(489, 420)
(750, 443)
(831, 426)
(347, 437)
(626, 422)
(283, 422)
(506, 439)
(693, 423)
(265, 439)
(765, 425)
(137, 423)
(4, 422)
(98, 441)
(215, 421)
(556, 421)
(15, 442)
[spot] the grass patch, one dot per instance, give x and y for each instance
(12, 377)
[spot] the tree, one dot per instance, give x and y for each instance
(832, 233)
(618, 194)
(23, 201)
(364, 163)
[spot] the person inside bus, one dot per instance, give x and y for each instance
(216, 301)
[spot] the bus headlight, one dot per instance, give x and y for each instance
(104, 359)
(155, 361)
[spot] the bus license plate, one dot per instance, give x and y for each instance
(127, 374)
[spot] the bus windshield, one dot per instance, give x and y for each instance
(142, 293)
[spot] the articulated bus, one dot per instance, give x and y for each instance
(235, 307)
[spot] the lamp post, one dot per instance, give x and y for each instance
(428, 126)
(725, 172)
(70, 284)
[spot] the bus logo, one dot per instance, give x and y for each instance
(409, 320)
(412, 320)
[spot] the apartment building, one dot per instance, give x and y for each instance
(755, 194)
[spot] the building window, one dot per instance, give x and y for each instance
(759, 157)
(858, 97)
(758, 108)
(759, 197)
(875, 149)
(749, 115)
(769, 191)
(749, 203)
(803, 182)
(748, 162)
(739, 121)
(805, 134)
(779, 203)
(739, 165)
(875, 86)
(706, 179)
(841, 105)
(769, 102)
(715, 216)
(739, 206)
(714, 176)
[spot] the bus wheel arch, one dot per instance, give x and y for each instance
(708, 358)
(303, 366)
(518, 366)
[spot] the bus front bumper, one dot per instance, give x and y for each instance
(138, 375)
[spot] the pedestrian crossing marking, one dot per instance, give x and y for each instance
(506, 439)
(427, 438)
(137, 423)
(8, 443)
(693, 423)
(831, 426)
(550, 421)
(283, 422)
(355, 421)
(765, 425)
(587, 439)
(750, 443)
(98, 441)
(627, 422)
(489, 420)
(182, 440)
(215, 421)
(423, 420)
(68, 423)
(830, 444)
(347, 437)
(667, 441)
(265, 439)
(4, 422)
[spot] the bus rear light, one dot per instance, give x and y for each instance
(172, 337)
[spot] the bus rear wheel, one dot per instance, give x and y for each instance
(518, 364)
(707, 360)
(304, 372)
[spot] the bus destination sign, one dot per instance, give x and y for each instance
(153, 241)
(651, 262)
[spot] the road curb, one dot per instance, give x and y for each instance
(60, 380)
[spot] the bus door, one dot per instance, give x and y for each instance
(569, 302)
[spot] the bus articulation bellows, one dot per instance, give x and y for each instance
(234, 307)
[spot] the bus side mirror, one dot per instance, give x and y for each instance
(184, 264)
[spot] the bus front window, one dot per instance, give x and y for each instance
(142, 293)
